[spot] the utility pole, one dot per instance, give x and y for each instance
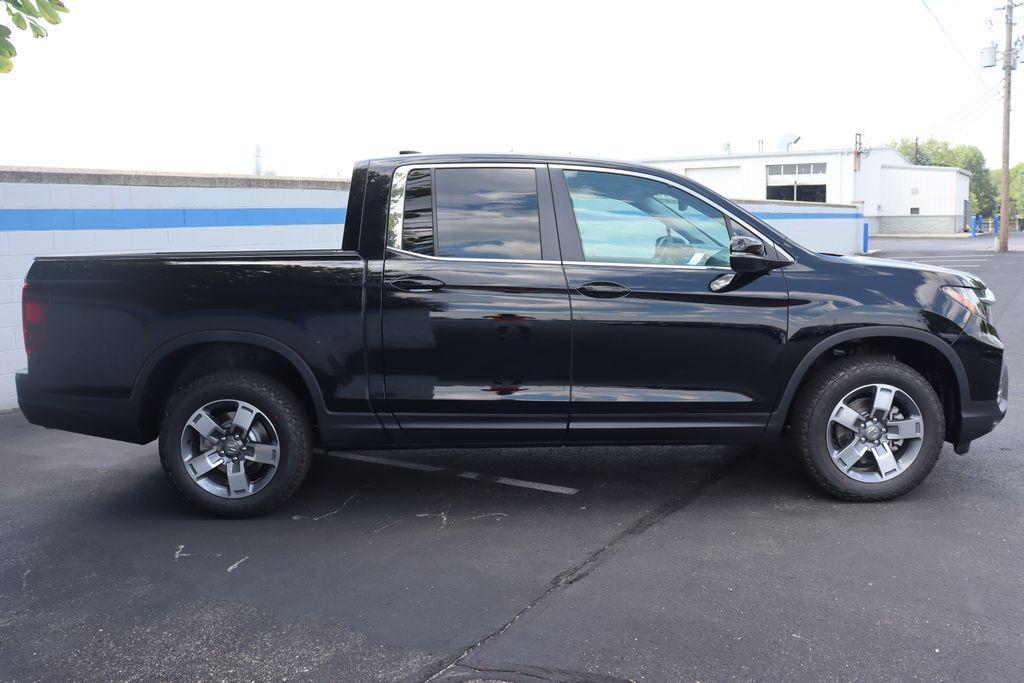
(1008, 59)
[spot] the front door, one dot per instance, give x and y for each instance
(669, 345)
(475, 307)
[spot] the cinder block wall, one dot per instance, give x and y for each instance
(920, 224)
(47, 212)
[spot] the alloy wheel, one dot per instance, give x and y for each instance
(230, 448)
(875, 433)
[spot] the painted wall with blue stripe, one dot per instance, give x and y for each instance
(834, 228)
(120, 219)
(40, 218)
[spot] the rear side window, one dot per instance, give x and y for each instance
(468, 213)
(487, 213)
(418, 216)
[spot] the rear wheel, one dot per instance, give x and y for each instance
(236, 444)
(868, 428)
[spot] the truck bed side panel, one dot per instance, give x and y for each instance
(107, 316)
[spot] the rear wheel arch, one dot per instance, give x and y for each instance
(930, 356)
(190, 356)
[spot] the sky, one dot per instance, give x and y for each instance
(194, 86)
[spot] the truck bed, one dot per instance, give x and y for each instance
(111, 320)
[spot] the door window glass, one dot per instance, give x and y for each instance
(487, 213)
(626, 219)
(418, 216)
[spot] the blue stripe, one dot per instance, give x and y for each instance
(122, 219)
(767, 215)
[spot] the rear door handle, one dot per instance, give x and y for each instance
(603, 290)
(417, 283)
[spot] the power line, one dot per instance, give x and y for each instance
(963, 110)
(974, 118)
(953, 43)
(983, 104)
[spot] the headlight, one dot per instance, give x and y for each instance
(977, 301)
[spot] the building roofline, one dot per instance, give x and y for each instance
(813, 152)
(92, 176)
(810, 152)
(922, 167)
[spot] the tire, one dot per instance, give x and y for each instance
(261, 463)
(827, 447)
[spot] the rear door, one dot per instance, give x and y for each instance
(669, 344)
(476, 322)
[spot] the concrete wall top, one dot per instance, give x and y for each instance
(82, 176)
(813, 205)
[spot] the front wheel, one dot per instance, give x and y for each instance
(235, 444)
(868, 428)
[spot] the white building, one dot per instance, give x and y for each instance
(892, 194)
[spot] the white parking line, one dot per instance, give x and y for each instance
(462, 474)
(958, 257)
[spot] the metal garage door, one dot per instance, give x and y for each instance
(724, 180)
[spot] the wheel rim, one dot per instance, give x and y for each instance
(230, 448)
(875, 433)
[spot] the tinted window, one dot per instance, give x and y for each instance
(627, 219)
(418, 215)
(487, 213)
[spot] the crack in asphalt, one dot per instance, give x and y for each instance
(535, 673)
(587, 565)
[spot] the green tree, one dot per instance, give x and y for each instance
(983, 193)
(1016, 188)
(26, 15)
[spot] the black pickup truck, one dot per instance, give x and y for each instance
(503, 300)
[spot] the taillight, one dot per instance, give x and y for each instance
(33, 319)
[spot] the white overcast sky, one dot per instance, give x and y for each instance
(193, 86)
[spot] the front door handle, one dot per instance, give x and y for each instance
(417, 283)
(603, 290)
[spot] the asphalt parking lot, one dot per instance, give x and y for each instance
(642, 564)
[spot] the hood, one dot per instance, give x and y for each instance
(956, 277)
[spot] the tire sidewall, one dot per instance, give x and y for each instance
(272, 401)
(905, 380)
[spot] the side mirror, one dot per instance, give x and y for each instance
(746, 255)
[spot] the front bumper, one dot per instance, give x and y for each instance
(978, 418)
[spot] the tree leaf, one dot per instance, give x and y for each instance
(6, 48)
(48, 12)
(4, 31)
(25, 7)
(19, 21)
(37, 30)
(5, 65)
(59, 6)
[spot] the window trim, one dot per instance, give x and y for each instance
(783, 254)
(396, 209)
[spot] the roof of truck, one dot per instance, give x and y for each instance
(404, 159)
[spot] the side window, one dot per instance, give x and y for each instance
(627, 219)
(418, 214)
(487, 213)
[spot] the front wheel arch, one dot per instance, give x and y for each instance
(883, 340)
